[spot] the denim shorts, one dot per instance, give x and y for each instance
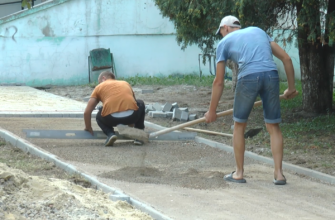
(265, 84)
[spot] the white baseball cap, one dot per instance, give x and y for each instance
(228, 21)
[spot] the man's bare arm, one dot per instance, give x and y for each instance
(91, 104)
(218, 85)
(217, 88)
(289, 70)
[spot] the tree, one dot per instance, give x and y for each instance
(26, 3)
(311, 22)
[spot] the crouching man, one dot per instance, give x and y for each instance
(119, 107)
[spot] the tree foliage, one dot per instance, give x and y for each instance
(197, 20)
(26, 3)
(311, 22)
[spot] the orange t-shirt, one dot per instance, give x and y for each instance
(116, 96)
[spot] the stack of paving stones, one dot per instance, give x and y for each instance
(169, 111)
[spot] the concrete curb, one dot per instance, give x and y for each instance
(35, 150)
(299, 170)
(36, 114)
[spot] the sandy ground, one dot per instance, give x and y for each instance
(31, 197)
(183, 180)
(312, 150)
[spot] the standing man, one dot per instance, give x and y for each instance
(119, 107)
(252, 49)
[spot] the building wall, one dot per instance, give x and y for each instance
(293, 51)
(50, 44)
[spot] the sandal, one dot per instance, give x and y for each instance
(229, 178)
(280, 182)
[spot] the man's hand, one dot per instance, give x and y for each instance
(89, 130)
(210, 116)
(289, 94)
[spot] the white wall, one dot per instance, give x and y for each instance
(50, 43)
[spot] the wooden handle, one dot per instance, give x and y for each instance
(203, 119)
(208, 132)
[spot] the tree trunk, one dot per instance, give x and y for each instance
(317, 72)
(234, 68)
(330, 52)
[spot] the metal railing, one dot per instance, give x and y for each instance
(15, 2)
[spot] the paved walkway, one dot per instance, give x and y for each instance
(27, 99)
(24, 101)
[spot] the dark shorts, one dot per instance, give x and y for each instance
(265, 84)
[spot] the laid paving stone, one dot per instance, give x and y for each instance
(176, 114)
(149, 108)
(120, 198)
(184, 116)
(183, 109)
(157, 114)
(145, 91)
(157, 107)
(137, 90)
(85, 99)
(192, 117)
(167, 107)
(174, 105)
(169, 114)
(55, 115)
(51, 102)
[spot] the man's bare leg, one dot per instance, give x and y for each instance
(276, 141)
(239, 148)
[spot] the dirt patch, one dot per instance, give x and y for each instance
(190, 178)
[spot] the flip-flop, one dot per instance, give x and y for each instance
(229, 178)
(280, 182)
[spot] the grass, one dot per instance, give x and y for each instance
(306, 132)
(175, 79)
